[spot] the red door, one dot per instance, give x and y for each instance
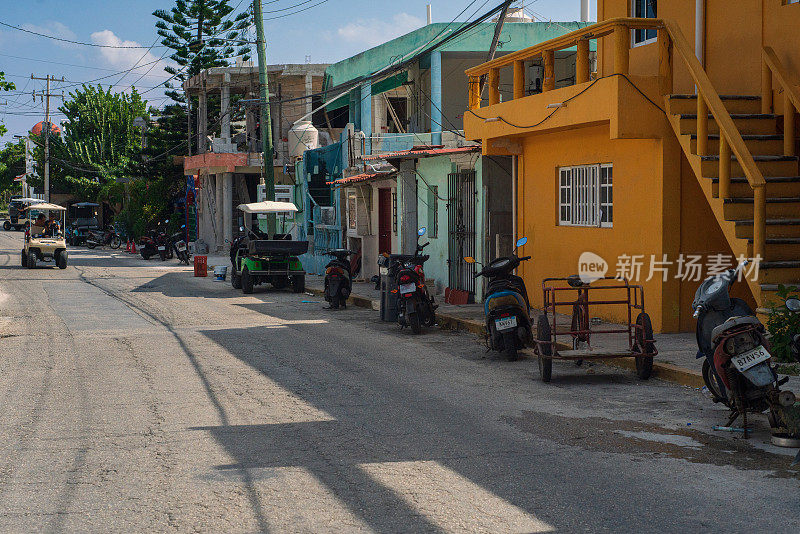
(384, 220)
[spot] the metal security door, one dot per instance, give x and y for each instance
(462, 196)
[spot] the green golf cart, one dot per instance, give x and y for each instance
(257, 259)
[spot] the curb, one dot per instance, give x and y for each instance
(662, 371)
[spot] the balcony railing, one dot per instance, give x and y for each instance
(671, 43)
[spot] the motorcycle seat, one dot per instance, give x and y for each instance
(734, 323)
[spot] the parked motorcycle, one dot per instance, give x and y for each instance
(178, 245)
(415, 305)
(737, 368)
(147, 245)
(338, 279)
(506, 305)
(164, 243)
(109, 237)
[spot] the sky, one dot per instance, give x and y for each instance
(331, 30)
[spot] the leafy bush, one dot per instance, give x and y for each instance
(783, 324)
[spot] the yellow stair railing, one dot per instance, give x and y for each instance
(771, 66)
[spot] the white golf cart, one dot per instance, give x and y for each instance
(45, 242)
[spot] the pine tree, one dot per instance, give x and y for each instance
(202, 35)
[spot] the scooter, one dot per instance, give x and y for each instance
(338, 279)
(179, 246)
(737, 368)
(164, 243)
(147, 245)
(506, 305)
(108, 237)
(415, 305)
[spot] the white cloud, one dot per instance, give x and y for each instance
(54, 29)
(126, 58)
(372, 32)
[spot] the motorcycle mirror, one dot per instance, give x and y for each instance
(793, 304)
(166, 221)
(521, 241)
(469, 259)
(241, 228)
(421, 231)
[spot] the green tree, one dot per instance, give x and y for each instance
(5, 86)
(201, 36)
(100, 143)
(12, 164)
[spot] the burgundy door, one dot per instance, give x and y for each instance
(384, 220)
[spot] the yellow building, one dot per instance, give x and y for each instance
(614, 161)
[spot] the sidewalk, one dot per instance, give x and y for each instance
(675, 361)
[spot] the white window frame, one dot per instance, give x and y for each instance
(634, 42)
(580, 202)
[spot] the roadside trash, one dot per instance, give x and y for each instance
(200, 265)
(220, 272)
(308, 301)
(688, 424)
(728, 428)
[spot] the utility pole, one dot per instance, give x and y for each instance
(266, 121)
(45, 97)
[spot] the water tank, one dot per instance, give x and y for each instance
(302, 136)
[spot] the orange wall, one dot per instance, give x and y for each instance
(734, 34)
(638, 208)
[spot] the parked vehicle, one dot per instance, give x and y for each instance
(83, 218)
(179, 246)
(737, 365)
(338, 278)
(415, 305)
(18, 214)
(163, 241)
(147, 245)
(109, 237)
(255, 259)
(45, 243)
(506, 307)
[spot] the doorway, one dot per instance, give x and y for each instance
(461, 230)
(385, 220)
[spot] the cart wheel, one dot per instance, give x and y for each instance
(6, 226)
(644, 336)
(24, 259)
(32, 260)
(580, 321)
(247, 281)
(236, 279)
(545, 350)
(61, 260)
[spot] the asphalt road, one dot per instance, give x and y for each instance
(136, 398)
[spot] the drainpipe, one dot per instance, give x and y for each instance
(436, 98)
(700, 30)
(584, 10)
(430, 15)
(514, 198)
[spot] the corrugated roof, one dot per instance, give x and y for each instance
(415, 153)
(365, 177)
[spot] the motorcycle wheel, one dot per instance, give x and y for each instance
(713, 385)
(510, 347)
(116, 242)
(247, 281)
(236, 280)
(335, 302)
(545, 362)
(413, 322)
(90, 244)
(145, 256)
(299, 284)
(162, 255)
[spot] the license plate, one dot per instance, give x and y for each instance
(407, 288)
(384, 270)
(506, 323)
(181, 247)
(162, 248)
(748, 359)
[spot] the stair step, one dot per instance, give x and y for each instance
(775, 287)
(746, 137)
(769, 222)
(771, 200)
(769, 179)
(756, 158)
(734, 116)
(779, 272)
(721, 97)
(780, 241)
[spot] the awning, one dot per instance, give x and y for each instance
(416, 153)
(268, 206)
(365, 177)
(45, 206)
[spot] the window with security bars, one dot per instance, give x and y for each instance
(586, 196)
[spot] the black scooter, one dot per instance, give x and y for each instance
(506, 306)
(178, 244)
(338, 278)
(737, 365)
(415, 305)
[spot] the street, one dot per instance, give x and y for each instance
(135, 397)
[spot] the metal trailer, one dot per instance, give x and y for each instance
(611, 292)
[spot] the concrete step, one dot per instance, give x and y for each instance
(777, 207)
(768, 165)
(761, 144)
(775, 228)
(687, 103)
(779, 272)
(777, 186)
(747, 123)
(781, 248)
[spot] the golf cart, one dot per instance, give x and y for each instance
(83, 218)
(256, 259)
(45, 243)
(17, 214)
